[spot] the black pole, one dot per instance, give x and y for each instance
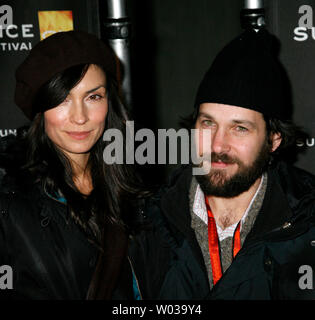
(253, 14)
(118, 32)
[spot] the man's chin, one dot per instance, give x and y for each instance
(235, 178)
(221, 176)
(220, 184)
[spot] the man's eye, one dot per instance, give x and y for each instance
(241, 129)
(207, 123)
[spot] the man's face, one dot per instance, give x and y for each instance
(240, 148)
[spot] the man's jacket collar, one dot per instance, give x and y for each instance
(289, 191)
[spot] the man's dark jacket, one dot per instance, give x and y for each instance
(168, 262)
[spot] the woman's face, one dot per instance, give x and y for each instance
(78, 122)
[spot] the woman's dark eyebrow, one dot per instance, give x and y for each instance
(94, 89)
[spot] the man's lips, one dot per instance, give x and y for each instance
(220, 164)
(78, 135)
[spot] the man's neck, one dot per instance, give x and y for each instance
(228, 211)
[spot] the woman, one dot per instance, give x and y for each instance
(63, 210)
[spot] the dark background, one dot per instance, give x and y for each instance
(172, 45)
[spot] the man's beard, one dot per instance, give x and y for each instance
(217, 184)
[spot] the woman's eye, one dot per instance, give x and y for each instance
(64, 101)
(95, 97)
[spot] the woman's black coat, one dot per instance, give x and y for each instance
(50, 256)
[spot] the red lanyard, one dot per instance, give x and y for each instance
(214, 248)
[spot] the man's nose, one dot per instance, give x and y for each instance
(220, 141)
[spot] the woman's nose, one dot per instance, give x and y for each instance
(79, 113)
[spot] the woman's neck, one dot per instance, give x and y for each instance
(81, 173)
(83, 182)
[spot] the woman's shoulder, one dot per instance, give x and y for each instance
(16, 196)
(19, 212)
(12, 147)
(12, 154)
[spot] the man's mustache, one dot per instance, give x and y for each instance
(216, 157)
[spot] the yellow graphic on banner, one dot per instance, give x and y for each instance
(51, 22)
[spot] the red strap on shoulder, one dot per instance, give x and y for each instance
(214, 248)
(237, 240)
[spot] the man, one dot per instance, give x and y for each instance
(244, 230)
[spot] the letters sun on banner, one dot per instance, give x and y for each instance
(293, 24)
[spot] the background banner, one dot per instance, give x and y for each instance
(292, 22)
(31, 21)
(182, 40)
(173, 44)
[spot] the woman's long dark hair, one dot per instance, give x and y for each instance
(113, 185)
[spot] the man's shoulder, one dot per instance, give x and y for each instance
(298, 187)
(294, 177)
(180, 173)
(178, 178)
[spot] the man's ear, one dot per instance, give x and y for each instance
(276, 141)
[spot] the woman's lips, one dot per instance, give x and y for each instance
(78, 135)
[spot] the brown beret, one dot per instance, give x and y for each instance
(55, 54)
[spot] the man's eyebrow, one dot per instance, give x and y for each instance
(202, 114)
(248, 122)
(236, 121)
(94, 89)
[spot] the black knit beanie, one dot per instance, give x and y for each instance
(246, 74)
